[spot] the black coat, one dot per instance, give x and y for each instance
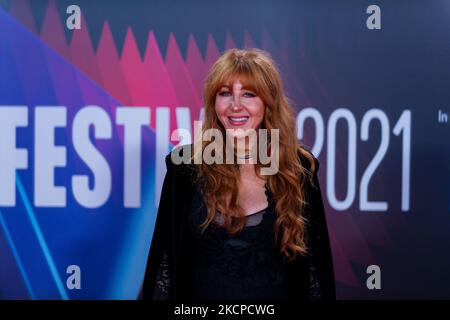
(169, 264)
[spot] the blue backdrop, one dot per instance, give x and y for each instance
(370, 90)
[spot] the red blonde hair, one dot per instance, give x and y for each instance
(220, 181)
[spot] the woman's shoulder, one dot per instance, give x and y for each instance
(180, 155)
(179, 159)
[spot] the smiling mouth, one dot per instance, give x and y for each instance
(238, 121)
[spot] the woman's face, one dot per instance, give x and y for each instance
(238, 107)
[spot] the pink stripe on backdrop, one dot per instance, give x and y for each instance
(110, 67)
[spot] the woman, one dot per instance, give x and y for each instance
(226, 231)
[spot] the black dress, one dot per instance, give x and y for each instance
(174, 259)
(242, 267)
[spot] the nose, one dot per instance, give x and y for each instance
(235, 103)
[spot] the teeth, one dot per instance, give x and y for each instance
(239, 119)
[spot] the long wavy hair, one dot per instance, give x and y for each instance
(219, 182)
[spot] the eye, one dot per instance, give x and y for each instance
(249, 94)
(224, 93)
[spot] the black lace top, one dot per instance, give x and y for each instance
(245, 266)
(232, 267)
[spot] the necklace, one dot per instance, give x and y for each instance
(245, 157)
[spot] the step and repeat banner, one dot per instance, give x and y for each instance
(90, 92)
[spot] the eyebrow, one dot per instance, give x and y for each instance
(230, 87)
